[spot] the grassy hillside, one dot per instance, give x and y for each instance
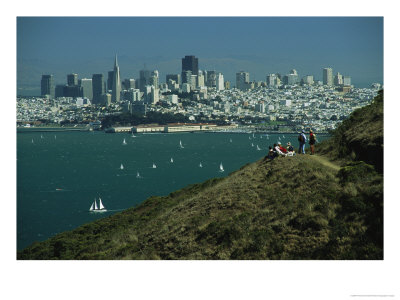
(301, 207)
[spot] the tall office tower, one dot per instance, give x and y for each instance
(327, 75)
(174, 77)
(346, 80)
(110, 80)
(338, 80)
(186, 76)
(47, 86)
(72, 79)
(144, 79)
(116, 87)
(190, 63)
(220, 82)
(242, 80)
(154, 80)
(98, 88)
(128, 84)
(211, 79)
(200, 79)
(87, 88)
(272, 80)
(59, 90)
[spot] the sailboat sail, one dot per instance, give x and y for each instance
(172, 160)
(95, 204)
(221, 168)
(101, 204)
(154, 166)
(137, 175)
(121, 167)
(180, 144)
(124, 142)
(200, 165)
(92, 207)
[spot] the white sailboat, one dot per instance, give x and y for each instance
(133, 135)
(180, 145)
(200, 165)
(32, 141)
(172, 160)
(137, 175)
(258, 148)
(121, 167)
(41, 136)
(252, 144)
(95, 208)
(230, 140)
(221, 168)
(154, 166)
(283, 135)
(124, 142)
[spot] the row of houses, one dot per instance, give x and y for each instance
(170, 128)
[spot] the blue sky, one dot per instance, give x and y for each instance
(260, 45)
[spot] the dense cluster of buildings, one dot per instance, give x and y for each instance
(282, 102)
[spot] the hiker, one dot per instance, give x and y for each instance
(290, 149)
(312, 141)
(302, 141)
(278, 151)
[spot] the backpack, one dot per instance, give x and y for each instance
(312, 138)
(301, 138)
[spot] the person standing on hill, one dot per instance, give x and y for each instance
(312, 141)
(302, 142)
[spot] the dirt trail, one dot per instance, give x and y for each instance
(325, 162)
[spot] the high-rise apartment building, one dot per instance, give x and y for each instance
(190, 63)
(116, 87)
(72, 79)
(338, 80)
(211, 79)
(327, 76)
(47, 86)
(242, 80)
(98, 88)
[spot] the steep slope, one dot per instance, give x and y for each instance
(299, 207)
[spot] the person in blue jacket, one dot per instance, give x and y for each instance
(302, 142)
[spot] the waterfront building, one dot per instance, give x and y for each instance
(72, 79)
(47, 86)
(116, 86)
(327, 76)
(98, 88)
(220, 82)
(190, 63)
(242, 80)
(87, 88)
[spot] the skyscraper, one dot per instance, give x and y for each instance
(190, 63)
(87, 88)
(116, 87)
(242, 80)
(220, 82)
(98, 88)
(47, 85)
(144, 79)
(110, 79)
(327, 75)
(72, 79)
(338, 80)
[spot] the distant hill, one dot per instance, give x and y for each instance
(326, 206)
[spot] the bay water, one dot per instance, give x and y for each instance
(59, 174)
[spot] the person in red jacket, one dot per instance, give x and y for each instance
(283, 149)
(312, 141)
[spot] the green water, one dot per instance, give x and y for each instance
(59, 174)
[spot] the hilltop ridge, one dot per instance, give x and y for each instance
(301, 207)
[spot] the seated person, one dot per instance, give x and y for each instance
(278, 151)
(271, 154)
(290, 149)
(283, 149)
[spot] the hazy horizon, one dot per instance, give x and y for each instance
(352, 46)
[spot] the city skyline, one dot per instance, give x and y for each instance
(351, 46)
